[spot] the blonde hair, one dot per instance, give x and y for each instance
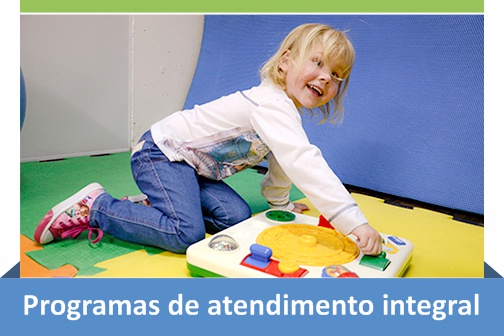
(337, 50)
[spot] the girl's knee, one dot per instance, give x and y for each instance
(240, 214)
(186, 239)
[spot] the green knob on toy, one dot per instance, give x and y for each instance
(280, 215)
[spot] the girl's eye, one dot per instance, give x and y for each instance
(336, 78)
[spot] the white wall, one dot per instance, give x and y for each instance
(95, 83)
(165, 54)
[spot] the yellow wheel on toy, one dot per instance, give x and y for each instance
(308, 245)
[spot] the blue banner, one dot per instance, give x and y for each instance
(251, 306)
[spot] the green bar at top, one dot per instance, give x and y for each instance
(251, 6)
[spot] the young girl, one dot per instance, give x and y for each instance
(180, 162)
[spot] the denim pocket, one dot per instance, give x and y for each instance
(138, 147)
(146, 156)
(136, 166)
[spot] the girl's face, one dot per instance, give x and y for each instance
(311, 83)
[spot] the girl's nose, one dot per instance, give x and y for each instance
(325, 76)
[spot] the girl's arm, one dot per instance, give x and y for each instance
(279, 125)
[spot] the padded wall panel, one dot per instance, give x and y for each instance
(414, 112)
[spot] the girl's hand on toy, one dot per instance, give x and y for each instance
(369, 240)
(300, 207)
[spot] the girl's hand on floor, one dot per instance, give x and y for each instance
(300, 207)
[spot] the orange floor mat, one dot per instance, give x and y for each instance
(31, 269)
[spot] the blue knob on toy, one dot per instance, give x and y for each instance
(260, 252)
(259, 256)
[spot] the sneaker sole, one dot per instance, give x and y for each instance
(42, 234)
(135, 198)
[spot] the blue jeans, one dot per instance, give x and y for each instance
(183, 207)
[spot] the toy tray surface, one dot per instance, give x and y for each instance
(235, 252)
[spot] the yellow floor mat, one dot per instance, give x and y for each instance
(443, 247)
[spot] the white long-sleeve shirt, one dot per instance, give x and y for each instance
(240, 130)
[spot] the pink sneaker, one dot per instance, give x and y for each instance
(70, 217)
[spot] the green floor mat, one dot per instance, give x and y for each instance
(44, 184)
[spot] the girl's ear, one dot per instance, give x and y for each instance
(284, 61)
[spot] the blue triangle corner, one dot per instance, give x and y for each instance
(490, 272)
(13, 272)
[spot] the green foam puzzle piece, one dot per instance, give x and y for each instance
(247, 185)
(82, 254)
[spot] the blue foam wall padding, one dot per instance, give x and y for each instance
(414, 112)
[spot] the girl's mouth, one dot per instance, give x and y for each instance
(315, 89)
